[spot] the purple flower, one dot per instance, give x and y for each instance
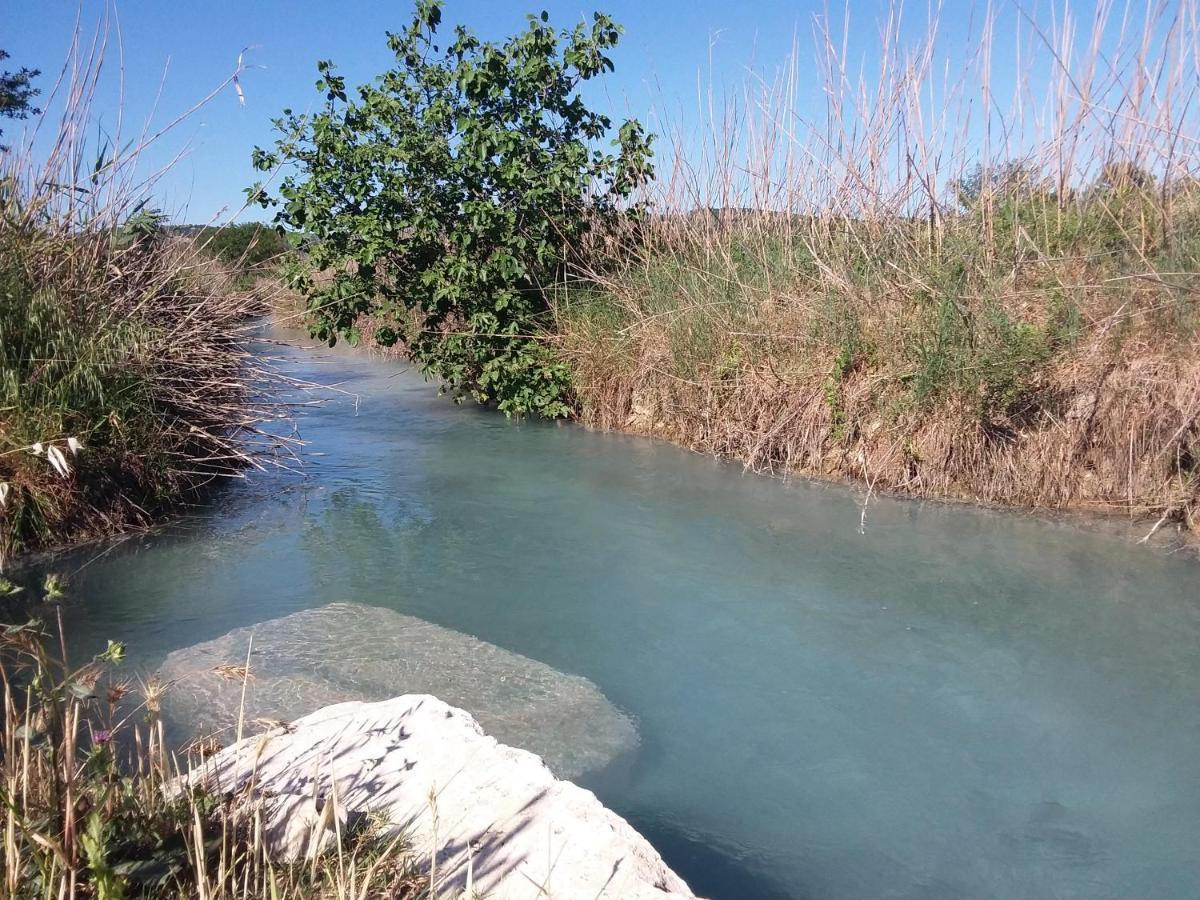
(101, 737)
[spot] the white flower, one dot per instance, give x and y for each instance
(58, 460)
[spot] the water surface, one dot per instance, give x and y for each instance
(956, 703)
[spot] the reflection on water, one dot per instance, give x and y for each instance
(955, 704)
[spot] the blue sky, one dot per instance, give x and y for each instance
(185, 49)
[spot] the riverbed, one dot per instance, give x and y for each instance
(928, 701)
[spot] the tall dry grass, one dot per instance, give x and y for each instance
(960, 276)
(127, 381)
(93, 803)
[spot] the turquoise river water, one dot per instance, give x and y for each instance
(956, 703)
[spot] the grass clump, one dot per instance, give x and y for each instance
(123, 382)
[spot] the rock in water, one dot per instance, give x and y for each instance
(347, 651)
(430, 771)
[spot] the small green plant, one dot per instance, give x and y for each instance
(452, 193)
(843, 365)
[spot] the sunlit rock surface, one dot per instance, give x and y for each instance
(347, 651)
(503, 826)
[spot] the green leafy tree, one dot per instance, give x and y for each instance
(17, 93)
(250, 245)
(448, 195)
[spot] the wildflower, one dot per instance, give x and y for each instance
(58, 460)
(101, 736)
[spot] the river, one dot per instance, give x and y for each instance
(950, 702)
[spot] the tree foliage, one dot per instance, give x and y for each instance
(17, 93)
(450, 193)
(249, 245)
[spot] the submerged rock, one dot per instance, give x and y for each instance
(484, 817)
(347, 651)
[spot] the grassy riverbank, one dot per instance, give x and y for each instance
(123, 380)
(1055, 363)
(126, 383)
(1005, 310)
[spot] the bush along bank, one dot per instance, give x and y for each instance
(444, 199)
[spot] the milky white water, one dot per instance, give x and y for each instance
(957, 703)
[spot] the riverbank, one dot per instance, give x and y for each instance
(1057, 384)
(127, 381)
(129, 385)
(615, 395)
(1019, 330)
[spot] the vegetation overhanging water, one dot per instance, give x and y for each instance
(954, 703)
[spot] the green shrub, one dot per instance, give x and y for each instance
(458, 186)
(248, 246)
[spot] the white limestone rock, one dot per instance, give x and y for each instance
(430, 770)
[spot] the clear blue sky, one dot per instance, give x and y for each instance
(187, 48)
